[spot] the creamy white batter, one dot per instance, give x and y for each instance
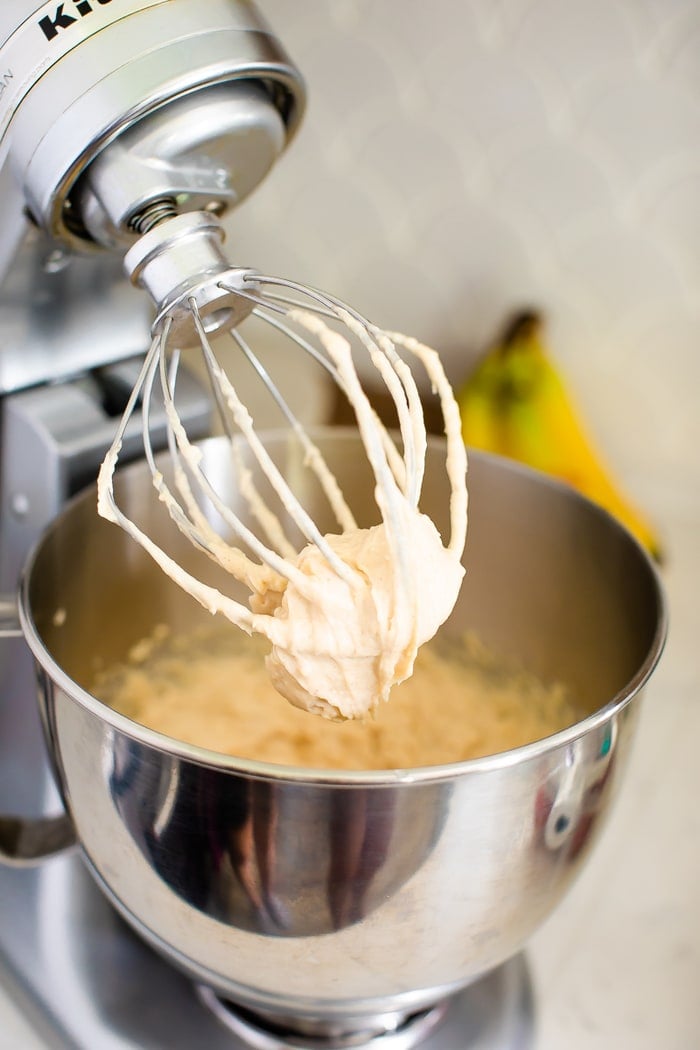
(347, 614)
(346, 644)
(210, 688)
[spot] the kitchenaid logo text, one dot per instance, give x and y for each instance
(67, 15)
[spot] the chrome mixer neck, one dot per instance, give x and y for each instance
(179, 261)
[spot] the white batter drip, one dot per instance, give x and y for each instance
(347, 614)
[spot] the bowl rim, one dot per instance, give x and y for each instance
(256, 769)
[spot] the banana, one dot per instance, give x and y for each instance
(515, 403)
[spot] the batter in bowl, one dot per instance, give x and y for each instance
(211, 689)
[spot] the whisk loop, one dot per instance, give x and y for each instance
(346, 612)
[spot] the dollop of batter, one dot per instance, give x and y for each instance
(339, 646)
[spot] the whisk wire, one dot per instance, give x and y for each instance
(108, 508)
(456, 458)
(302, 520)
(327, 306)
(397, 464)
(312, 455)
(269, 522)
(195, 527)
(398, 377)
(183, 450)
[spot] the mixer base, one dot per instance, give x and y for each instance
(394, 1033)
(495, 1013)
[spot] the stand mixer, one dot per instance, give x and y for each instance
(118, 118)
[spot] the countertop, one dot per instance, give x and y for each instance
(617, 967)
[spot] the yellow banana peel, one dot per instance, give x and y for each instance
(515, 403)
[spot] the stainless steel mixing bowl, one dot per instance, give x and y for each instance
(323, 899)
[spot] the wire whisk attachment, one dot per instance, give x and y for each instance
(346, 610)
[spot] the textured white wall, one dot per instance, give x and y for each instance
(459, 159)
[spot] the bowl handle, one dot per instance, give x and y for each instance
(25, 841)
(9, 618)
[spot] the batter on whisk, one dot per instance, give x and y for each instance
(346, 614)
(342, 640)
(339, 645)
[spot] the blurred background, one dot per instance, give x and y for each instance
(461, 160)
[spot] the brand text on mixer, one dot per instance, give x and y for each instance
(66, 15)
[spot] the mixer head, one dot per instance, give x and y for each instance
(107, 111)
(114, 115)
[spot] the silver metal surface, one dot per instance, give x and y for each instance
(52, 439)
(387, 1031)
(495, 1013)
(99, 76)
(456, 866)
(86, 982)
(209, 149)
(62, 314)
(179, 263)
